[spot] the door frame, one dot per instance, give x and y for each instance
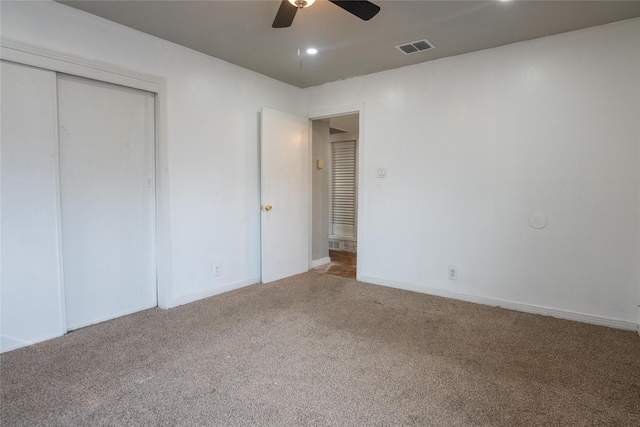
(26, 54)
(341, 111)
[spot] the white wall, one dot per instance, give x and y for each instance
(320, 180)
(477, 144)
(212, 122)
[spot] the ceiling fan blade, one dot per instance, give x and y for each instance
(285, 15)
(364, 10)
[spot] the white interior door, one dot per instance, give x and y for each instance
(285, 192)
(107, 199)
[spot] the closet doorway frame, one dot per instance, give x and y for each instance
(25, 54)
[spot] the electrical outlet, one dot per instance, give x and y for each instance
(217, 270)
(453, 273)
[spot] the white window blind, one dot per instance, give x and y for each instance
(343, 187)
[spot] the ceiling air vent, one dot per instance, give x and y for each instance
(415, 47)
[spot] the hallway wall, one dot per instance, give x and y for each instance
(321, 179)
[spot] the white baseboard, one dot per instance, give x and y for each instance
(209, 293)
(11, 343)
(509, 305)
(111, 317)
(318, 262)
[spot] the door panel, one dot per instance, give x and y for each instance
(30, 285)
(107, 199)
(284, 186)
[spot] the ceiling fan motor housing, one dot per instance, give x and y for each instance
(302, 3)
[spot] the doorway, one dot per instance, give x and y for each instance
(335, 153)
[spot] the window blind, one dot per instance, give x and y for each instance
(343, 174)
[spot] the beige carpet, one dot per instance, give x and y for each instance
(324, 350)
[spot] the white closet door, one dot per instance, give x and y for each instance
(107, 199)
(30, 286)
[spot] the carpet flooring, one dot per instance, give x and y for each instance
(317, 349)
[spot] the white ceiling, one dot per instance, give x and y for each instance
(240, 31)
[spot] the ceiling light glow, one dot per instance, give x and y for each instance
(312, 51)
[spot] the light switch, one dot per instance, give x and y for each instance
(320, 163)
(381, 173)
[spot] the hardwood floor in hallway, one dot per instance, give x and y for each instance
(342, 264)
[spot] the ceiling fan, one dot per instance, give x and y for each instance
(364, 10)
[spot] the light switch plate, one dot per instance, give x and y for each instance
(381, 173)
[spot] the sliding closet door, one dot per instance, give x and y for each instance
(107, 199)
(30, 285)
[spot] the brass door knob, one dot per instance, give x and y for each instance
(268, 207)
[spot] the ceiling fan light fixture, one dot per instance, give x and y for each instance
(288, 9)
(302, 3)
